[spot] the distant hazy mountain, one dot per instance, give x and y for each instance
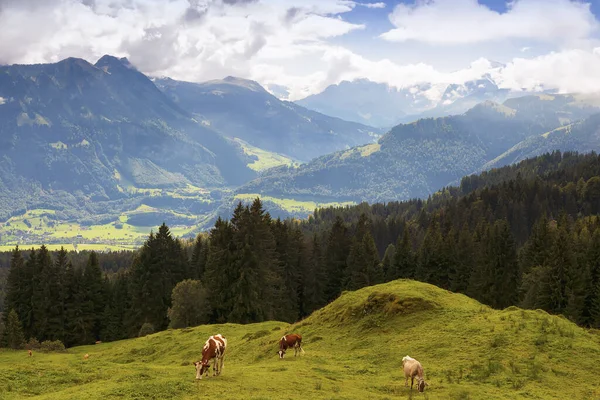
(416, 159)
(380, 105)
(86, 132)
(244, 109)
(370, 103)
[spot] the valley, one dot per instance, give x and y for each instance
(99, 178)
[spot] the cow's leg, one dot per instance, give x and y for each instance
(412, 380)
(406, 381)
(221, 366)
(215, 367)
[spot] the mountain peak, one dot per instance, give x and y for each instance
(244, 83)
(491, 107)
(108, 61)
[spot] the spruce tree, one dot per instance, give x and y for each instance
(387, 264)
(54, 291)
(40, 302)
(76, 332)
(199, 258)
(94, 298)
(219, 270)
(465, 261)
(314, 280)
(13, 332)
(404, 265)
(591, 307)
(338, 249)
(16, 286)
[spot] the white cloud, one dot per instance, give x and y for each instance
(467, 21)
(276, 42)
(373, 5)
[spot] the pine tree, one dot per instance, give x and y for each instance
(253, 288)
(13, 332)
(219, 270)
(404, 265)
(159, 266)
(199, 258)
(54, 291)
(502, 258)
(40, 302)
(356, 266)
(387, 264)
(432, 266)
(314, 280)
(465, 261)
(94, 298)
(16, 286)
(338, 249)
(563, 291)
(74, 297)
(591, 308)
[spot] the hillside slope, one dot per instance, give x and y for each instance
(243, 109)
(417, 159)
(582, 136)
(353, 348)
(74, 129)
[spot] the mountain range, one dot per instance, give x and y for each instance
(243, 109)
(112, 151)
(416, 159)
(382, 105)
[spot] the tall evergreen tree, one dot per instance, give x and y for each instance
(94, 300)
(40, 302)
(338, 249)
(13, 332)
(16, 284)
(404, 265)
(314, 280)
(465, 261)
(387, 264)
(76, 331)
(219, 271)
(591, 308)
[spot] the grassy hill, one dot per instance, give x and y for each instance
(353, 348)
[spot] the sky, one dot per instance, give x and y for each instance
(307, 45)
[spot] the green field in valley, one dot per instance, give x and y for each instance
(291, 205)
(354, 349)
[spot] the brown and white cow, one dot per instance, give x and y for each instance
(413, 368)
(214, 348)
(30, 353)
(293, 340)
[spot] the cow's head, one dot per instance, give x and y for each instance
(201, 368)
(281, 353)
(421, 385)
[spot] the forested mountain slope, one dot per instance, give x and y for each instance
(579, 136)
(72, 132)
(415, 160)
(243, 109)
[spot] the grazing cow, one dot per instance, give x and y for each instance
(86, 356)
(413, 368)
(98, 341)
(213, 348)
(30, 353)
(293, 340)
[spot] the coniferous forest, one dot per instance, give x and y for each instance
(525, 235)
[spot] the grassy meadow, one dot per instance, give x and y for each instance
(353, 348)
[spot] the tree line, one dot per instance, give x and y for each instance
(526, 235)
